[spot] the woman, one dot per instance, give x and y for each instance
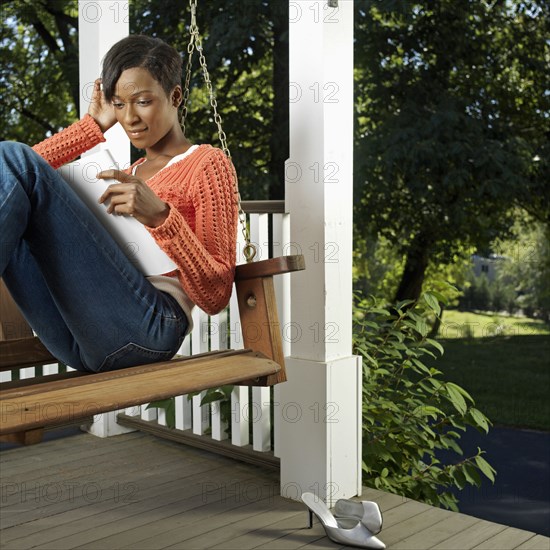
(85, 300)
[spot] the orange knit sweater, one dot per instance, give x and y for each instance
(200, 231)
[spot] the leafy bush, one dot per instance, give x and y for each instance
(409, 412)
(221, 395)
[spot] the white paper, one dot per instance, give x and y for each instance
(131, 235)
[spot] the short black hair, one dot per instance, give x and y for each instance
(137, 50)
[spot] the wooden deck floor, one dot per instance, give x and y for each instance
(136, 491)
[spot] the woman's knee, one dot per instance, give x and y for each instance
(17, 157)
(14, 148)
(20, 163)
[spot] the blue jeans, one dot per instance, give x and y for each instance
(89, 305)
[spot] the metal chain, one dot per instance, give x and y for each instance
(195, 43)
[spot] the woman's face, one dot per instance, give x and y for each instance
(143, 109)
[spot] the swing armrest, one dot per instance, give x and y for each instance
(258, 308)
(273, 266)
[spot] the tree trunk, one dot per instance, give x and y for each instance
(418, 256)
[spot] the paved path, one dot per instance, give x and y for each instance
(520, 496)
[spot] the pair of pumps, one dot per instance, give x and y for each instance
(353, 523)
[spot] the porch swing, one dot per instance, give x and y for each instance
(30, 405)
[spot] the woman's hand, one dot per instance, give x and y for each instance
(133, 197)
(101, 111)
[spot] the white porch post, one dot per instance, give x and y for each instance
(319, 407)
(100, 25)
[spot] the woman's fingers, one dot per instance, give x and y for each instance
(101, 111)
(122, 204)
(133, 197)
(119, 193)
(118, 175)
(129, 183)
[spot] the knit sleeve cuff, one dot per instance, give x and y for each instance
(91, 128)
(170, 228)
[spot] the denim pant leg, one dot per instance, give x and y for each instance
(87, 302)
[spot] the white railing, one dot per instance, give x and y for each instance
(250, 411)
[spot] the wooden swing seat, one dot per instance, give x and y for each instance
(28, 406)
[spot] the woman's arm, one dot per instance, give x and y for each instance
(205, 256)
(82, 135)
(70, 142)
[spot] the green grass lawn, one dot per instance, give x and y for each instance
(465, 324)
(503, 362)
(508, 377)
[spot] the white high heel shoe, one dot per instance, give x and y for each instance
(366, 511)
(349, 531)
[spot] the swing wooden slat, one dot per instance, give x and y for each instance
(30, 405)
(24, 352)
(68, 400)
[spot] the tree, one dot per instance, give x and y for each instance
(451, 114)
(526, 268)
(246, 49)
(39, 75)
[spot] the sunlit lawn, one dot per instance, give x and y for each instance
(507, 375)
(465, 324)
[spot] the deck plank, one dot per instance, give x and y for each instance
(538, 542)
(394, 532)
(386, 501)
(293, 533)
(120, 481)
(172, 496)
(471, 537)
(110, 514)
(94, 466)
(170, 505)
(242, 534)
(99, 520)
(508, 539)
(433, 535)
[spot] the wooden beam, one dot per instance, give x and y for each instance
(24, 352)
(12, 323)
(225, 448)
(29, 437)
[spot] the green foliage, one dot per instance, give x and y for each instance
(522, 273)
(221, 396)
(409, 411)
(482, 294)
(477, 295)
(378, 268)
(39, 73)
(246, 49)
(169, 407)
(452, 123)
(526, 271)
